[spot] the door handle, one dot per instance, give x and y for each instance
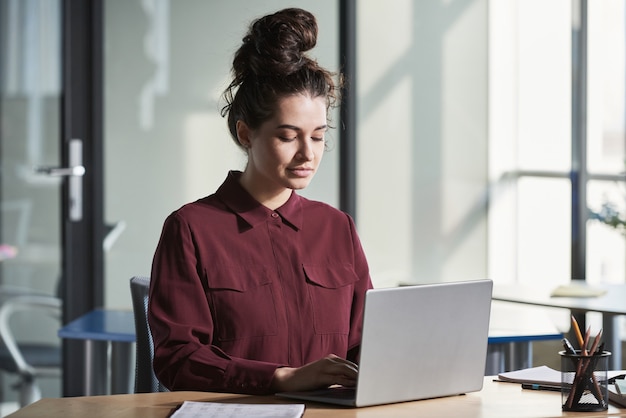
(78, 170)
(75, 172)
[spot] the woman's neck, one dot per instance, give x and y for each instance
(270, 197)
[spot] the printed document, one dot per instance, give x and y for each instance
(196, 409)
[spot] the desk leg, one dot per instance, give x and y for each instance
(613, 342)
(122, 368)
(95, 368)
(505, 357)
(495, 359)
(520, 355)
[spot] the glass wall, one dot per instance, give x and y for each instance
(422, 128)
(464, 131)
(166, 65)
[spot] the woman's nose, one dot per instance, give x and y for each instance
(306, 150)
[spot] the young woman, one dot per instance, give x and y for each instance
(254, 288)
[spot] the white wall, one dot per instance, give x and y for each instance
(422, 139)
(422, 133)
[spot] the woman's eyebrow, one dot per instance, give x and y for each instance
(295, 128)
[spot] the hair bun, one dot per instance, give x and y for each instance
(276, 44)
(272, 64)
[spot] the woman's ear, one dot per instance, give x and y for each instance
(243, 134)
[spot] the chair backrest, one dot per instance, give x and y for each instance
(145, 379)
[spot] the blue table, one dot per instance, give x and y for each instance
(101, 330)
(611, 305)
(510, 344)
(512, 331)
(514, 351)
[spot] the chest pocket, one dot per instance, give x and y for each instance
(331, 290)
(242, 301)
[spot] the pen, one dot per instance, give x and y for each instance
(620, 387)
(535, 386)
(568, 346)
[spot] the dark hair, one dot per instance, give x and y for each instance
(271, 64)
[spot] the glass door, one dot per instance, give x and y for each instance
(165, 142)
(51, 228)
(30, 108)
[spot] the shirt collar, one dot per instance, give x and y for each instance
(233, 195)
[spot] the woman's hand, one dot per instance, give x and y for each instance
(331, 370)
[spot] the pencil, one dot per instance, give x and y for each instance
(596, 341)
(594, 347)
(577, 374)
(583, 349)
(582, 374)
(579, 336)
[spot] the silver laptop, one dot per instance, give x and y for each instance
(419, 342)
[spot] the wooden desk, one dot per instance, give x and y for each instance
(610, 305)
(496, 400)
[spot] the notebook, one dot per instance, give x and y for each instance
(419, 342)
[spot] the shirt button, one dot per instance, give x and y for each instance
(274, 215)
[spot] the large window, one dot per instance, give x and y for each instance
(530, 141)
(541, 63)
(606, 139)
(469, 140)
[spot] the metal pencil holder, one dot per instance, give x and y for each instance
(584, 383)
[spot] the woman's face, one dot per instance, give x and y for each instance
(285, 151)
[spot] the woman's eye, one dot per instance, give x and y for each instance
(286, 139)
(317, 138)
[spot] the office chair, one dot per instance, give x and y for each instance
(145, 379)
(29, 360)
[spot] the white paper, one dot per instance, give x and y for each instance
(577, 291)
(539, 375)
(543, 375)
(196, 409)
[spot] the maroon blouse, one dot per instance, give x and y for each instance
(238, 290)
